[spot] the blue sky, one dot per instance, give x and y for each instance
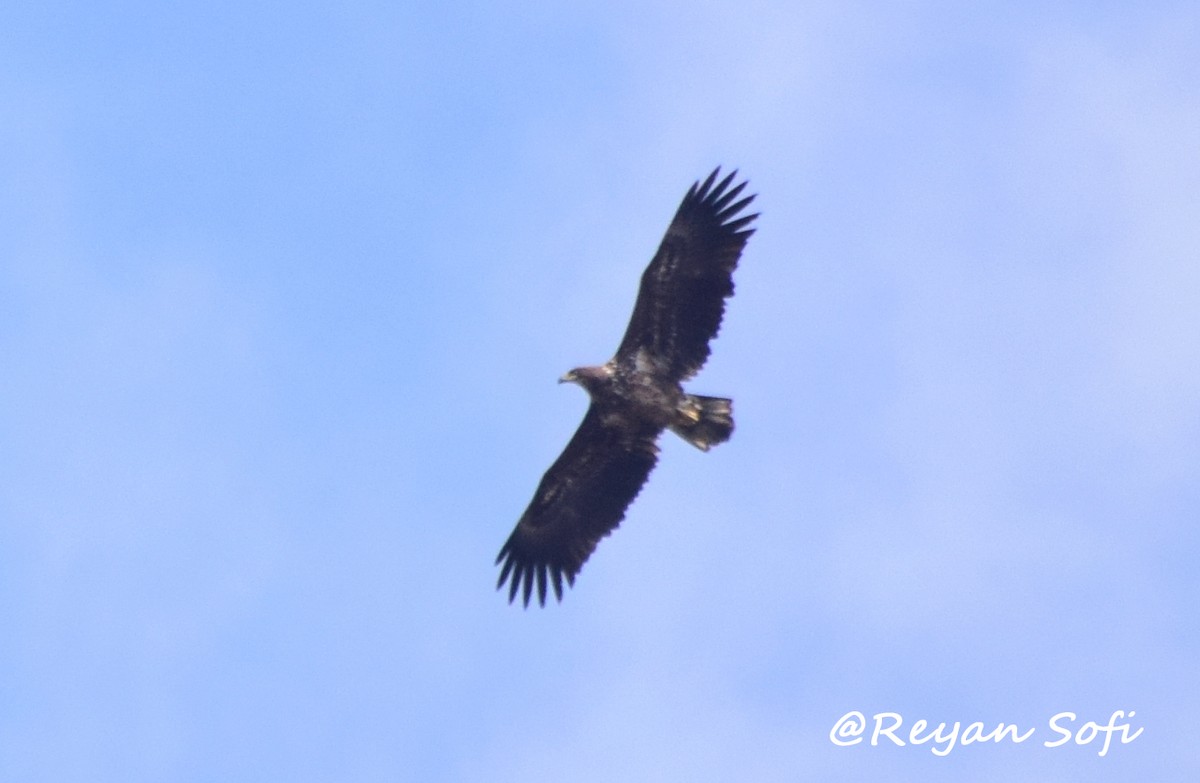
(284, 295)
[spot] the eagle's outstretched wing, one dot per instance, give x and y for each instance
(582, 498)
(683, 291)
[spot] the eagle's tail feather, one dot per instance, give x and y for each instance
(704, 421)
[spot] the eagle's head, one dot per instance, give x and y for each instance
(588, 377)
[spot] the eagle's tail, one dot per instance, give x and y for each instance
(704, 421)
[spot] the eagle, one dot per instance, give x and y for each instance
(637, 394)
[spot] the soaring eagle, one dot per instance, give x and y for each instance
(637, 394)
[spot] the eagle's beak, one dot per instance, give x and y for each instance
(565, 379)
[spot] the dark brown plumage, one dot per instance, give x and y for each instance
(637, 394)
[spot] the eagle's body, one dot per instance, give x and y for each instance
(637, 394)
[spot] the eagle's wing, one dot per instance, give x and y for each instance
(582, 498)
(683, 291)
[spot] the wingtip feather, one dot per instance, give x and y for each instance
(526, 586)
(720, 188)
(508, 564)
(719, 204)
(541, 583)
(558, 583)
(703, 192)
